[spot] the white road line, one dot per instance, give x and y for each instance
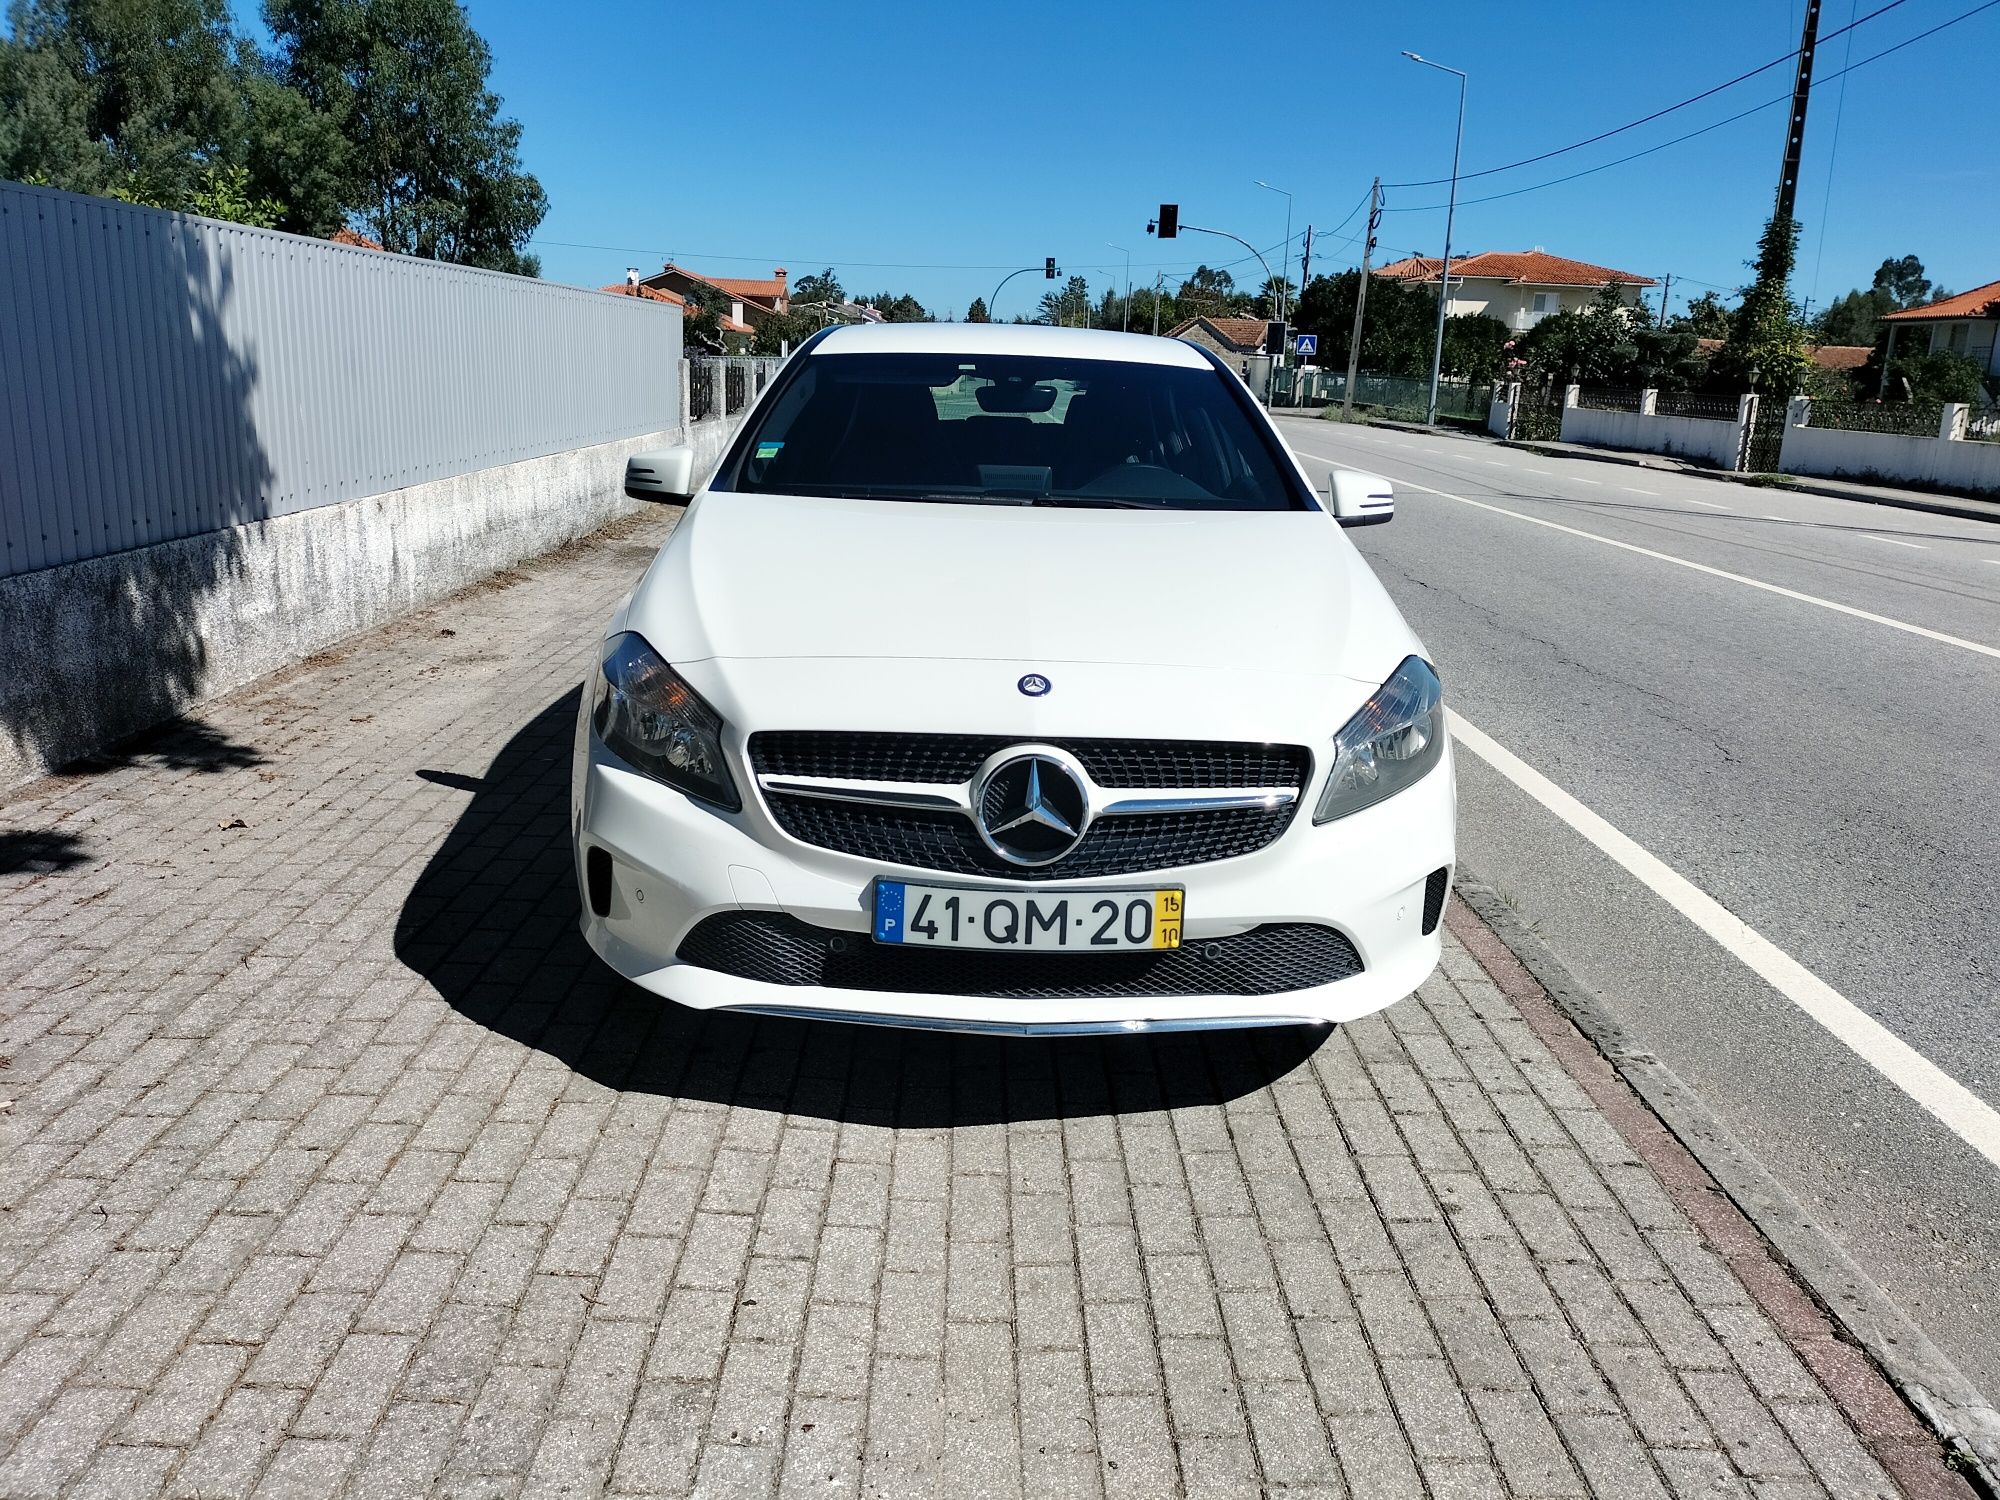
(1895, 542)
(1581, 480)
(1497, 463)
(1543, 472)
(1709, 503)
(1955, 1106)
(1633, 489)
(1682, 562)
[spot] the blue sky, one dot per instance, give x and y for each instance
(933, 139)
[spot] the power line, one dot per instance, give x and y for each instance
(1832, 156)
(1731, 120)
(1605, 135)
(844, 264)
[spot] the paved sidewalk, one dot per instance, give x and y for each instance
(335, 1165)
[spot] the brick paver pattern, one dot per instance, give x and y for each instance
(336, 1165)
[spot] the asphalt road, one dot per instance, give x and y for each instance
(1832, 780)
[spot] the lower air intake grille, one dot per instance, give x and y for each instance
(1434, 894)
(778, 949)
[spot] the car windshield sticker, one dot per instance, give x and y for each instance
(768, 450)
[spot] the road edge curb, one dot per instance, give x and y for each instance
(1916, 1369)
(1793, 484)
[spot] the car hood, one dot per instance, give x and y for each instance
(753, 576)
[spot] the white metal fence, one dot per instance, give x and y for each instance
(165, 376)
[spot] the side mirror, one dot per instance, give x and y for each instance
(665, 475)
(1358, 499)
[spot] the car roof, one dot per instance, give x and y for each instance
(1010, 338)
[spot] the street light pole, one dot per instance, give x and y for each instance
(1128, 285)
(1450, 213)
(1278, 295)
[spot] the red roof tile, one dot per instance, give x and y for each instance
(345, 236)
(1521, 267)
(1980, 302)
(1841, 356)
(666, 294)
(764, 291)
(1247, 334)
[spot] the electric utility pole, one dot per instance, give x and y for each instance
(1306, 262)
(1361, 298)
(1666, 296)
(1795, 137)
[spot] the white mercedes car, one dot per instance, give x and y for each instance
(1012, 679)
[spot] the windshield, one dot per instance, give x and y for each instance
(1016, 429)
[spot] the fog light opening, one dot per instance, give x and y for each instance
(597, 881)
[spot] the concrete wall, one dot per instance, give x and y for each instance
(1699, 438)
(100, 649)
(1963, 468)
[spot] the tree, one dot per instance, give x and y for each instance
(1600, 344)
(899, 307)
(1266, 305)
(977, 312)
(820, 286)
(1705, 318)
(1475, 346)
(1853, 319)
(1920, 376)
(137, 99)
(432, 169)
(1212, 293)
(1401, 323)
(1068, 307)
(1857, 317)
(1902, 283)
(701, 319)
(1145, 301)
(1766, 351)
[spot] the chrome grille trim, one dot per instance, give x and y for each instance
(1104, 803)
(912, 800)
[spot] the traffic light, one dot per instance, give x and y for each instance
(1274, 338)
(1049, 268)
(1170, 220)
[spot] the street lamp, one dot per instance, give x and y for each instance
(1128, 285)
(1450, 212)
(1284, 260)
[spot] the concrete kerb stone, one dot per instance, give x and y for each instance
(1917, 500)
(1715, 1181)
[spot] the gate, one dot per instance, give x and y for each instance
(1539, 418)
(1767, 436)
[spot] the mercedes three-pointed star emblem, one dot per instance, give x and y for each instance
(1030, 804)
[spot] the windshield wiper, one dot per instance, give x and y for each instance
(1096, 502)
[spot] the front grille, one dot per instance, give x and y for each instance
(954, 757)
(947, 842)
(779, 949)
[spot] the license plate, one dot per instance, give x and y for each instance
(1071, 921)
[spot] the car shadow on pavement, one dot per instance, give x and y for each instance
(491, 923)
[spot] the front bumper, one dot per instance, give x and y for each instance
(674, 861)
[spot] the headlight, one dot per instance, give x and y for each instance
(649, 717)
(1392, 740)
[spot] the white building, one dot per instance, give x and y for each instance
(1519, 287)
(1967, 324)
